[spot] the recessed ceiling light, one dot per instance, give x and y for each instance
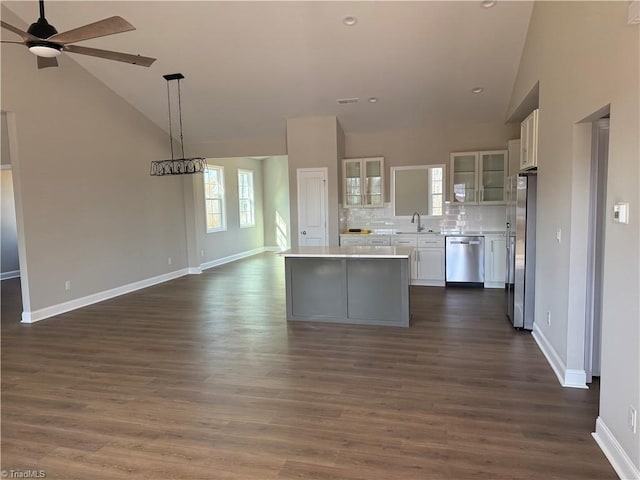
(350, 21)
(488, 3)
(477, 90)
(373, 99)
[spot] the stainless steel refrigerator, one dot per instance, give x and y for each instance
(521, 250)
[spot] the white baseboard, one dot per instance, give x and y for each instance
(8, 275)
(494, 285)
(618, 458)
(427, 283)
(47, 312)
(567, 377)
(232, 258)
(274, 249)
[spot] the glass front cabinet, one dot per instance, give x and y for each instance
(478, 177)
(363, 182)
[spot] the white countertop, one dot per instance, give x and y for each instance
(445, 233)
(349, 252)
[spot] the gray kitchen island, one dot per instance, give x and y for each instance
(359, 285)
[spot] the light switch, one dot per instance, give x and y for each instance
(621, 212)
(559, 235)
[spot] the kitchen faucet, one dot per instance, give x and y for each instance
(413, 220)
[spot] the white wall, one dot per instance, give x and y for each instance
(586, 56)
(234, 240)
(90, 212)
(315, 142)
(277, 219)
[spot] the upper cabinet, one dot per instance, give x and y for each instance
(478, 177)
(529, 141)
(363, 182)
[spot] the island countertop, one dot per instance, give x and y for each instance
(349, 252)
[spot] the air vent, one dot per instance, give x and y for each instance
(345, 101)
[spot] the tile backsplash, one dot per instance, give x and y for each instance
(457, 219)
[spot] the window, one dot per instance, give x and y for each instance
(436, 191)
(418, 188)
(214, 198)
(245, 198)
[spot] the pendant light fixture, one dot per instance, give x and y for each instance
(177, 166)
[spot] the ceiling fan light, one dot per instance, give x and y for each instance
(44, 51)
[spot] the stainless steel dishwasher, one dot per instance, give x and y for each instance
(464, 261)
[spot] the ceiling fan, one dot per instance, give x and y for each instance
(44, 41)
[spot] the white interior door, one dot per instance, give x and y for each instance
(312, 207)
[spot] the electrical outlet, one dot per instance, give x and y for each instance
(67, 285)
(169, 261)
(548, 319)
(632, 419)
(202, 253)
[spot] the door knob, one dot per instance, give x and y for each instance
(304, 232)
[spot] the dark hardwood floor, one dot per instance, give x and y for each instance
(202, 378)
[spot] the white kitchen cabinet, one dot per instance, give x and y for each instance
(464, 177)
(430, 261)
(351, 240)
(529, 141)
(408, 241)
(377, 240)
(363, 182)
(495, 260)
(478, 177)
(427, 261)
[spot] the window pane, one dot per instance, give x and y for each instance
(214, 198)
(245, 198)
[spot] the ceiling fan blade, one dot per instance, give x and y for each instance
(7, 41)
(45, 62)
(117, 56)
(108, 26)
(25, 35)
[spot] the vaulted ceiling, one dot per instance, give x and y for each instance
(249, 66)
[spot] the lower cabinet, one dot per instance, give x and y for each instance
(427, 261)
(377, 240)
(495, 261)
(408, 241)
(351, 240)
(430, 261)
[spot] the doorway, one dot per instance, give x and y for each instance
(595, 246)
(12, 281)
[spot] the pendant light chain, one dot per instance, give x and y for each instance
(180, 116)
(170, 128)
(177, 166)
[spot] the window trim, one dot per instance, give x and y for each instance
(222, 198)
(249, 173)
